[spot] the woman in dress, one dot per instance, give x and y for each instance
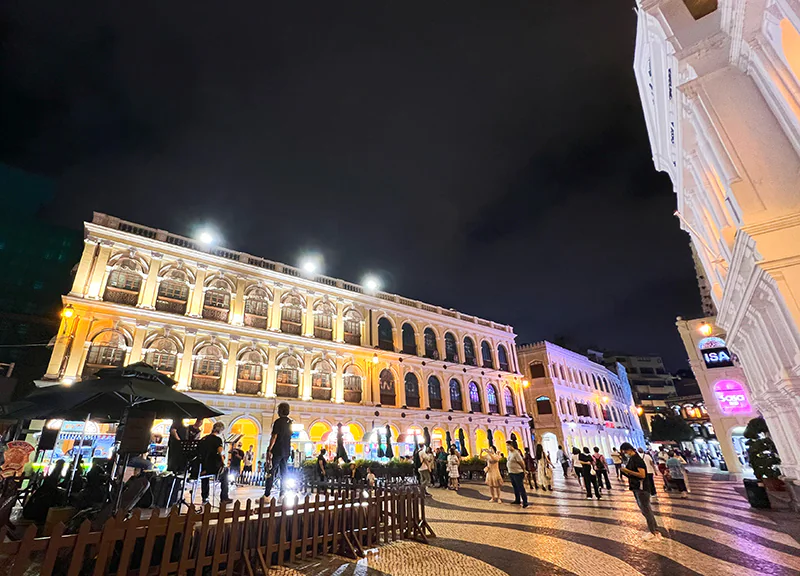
(545, 468)
(493, 478)
(453, 460)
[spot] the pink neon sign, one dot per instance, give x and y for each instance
(731, 397)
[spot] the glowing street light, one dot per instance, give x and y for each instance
(375, 358)
(525, 383)
(68, 311)
(706, 329)
(605, 399)
(372, 284)
(311, 264)
(640, 410)
(206, 238)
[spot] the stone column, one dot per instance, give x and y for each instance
(231, 368)
(186, 363)
(338, 384)
(147, 295)
(305, 383)
(338, 328)
(77, 348)
(84, 267)
(397, 335)
(275, 309)
(237, 306)
(271, 370)
(446, 394)
(400, 389)
(135, 353)
(99, 272)
(308, 322)
(424, 399)
(420, 338)
(198, 294)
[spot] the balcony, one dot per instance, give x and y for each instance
(412, 401)
(457, 405)
(287, 390)
(291, 327)
(318, 393)
(323, 333)
(248, 387)
(388, 399)
(205, 383)
(171, 305)
(352, 338)
(254, 321)
(214, 313)
(436, 403)
(352, 396)
(121, 296)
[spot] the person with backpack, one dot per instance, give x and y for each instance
(601, 468)
(589, 474)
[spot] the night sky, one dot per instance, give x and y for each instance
(490, 157)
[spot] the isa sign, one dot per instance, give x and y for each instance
(717, 358)
(731, 397)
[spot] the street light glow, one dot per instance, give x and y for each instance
(206, 237)
(68, 381)
(705, 329)
(311, 264)
(375, 358)
(68, 312)
(371, 283)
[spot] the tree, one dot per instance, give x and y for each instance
(670, 426)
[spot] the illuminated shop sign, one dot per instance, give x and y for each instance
(731, 397)
(717, 358)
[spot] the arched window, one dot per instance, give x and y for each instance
(163, 355)
(173, 292)
(107, 351)
(508, 398)
(537, 370)
(431, 350)
(321, 380)
(412, 390)
(256, 308)
(249, 431)
(352, 327)
(388, 397)
(502, 358)
(124, 282)
(450, 347)
(248, 376)
(409, 339)
(434, 393)
(292, 314)
(469, 352)
(456, 401)
(217, 301)
(385, 334)
(594, 381)
(207, 372)
(324, 313)
(491, 399)
(486, 353)
(475, 403)
(543, 406)
(288, 377)
(352, 384)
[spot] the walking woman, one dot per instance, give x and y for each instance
(493, 478)
(453, 460)
(576, 464)
(545, 468)
(589, 474)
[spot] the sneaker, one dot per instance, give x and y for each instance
(525, 505)
(649, 536)
(517, 503)
(588, 497)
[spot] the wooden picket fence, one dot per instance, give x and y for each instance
(246, 539)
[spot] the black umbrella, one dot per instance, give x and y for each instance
(110, 396)
(426, 433)
(490, 437)
(448, 439)
(389, 451)
(464, 452)
(340, 451)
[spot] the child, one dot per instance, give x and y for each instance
(370, 478)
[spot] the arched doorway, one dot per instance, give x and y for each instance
(500, 441)
(481, 441)
(250, 432)
(550, 444)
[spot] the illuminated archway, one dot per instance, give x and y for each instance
(500, 441)
(481, 441)
(250, 433)
(318, 430)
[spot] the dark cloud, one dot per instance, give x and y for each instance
(491, 157)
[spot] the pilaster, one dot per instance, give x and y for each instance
(135, 353)
(99, 272)
(338, 385)
(77, 347)
(148, 294)
(308, 321)
(305, 384)
(275, 309)
(338, 329)
(231, 367)
(237, 306)
(186, 360)
(272, 354)
(198, 292)
(84, 267)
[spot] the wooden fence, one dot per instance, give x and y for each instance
(245, 539)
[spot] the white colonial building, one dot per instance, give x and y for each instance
(720, 88)
(577, 402)
(242, 333)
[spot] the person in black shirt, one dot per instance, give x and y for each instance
(176, 460)
(235, 462)
(322, 475)
(636, 471)
(210, 450)
(280, 447)
(588, 473)
(194, 430)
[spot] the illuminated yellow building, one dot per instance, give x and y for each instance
(242, 333)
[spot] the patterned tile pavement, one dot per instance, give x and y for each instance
(713, 532)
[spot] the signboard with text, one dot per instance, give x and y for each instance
(731, 397)
(717, 358)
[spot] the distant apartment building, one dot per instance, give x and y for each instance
(577, 402)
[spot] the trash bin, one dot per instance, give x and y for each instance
(756, 493)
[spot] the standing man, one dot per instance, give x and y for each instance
(616, 458)
(322, 474)
(235, 461)
(212, 458)
(563, 459)
(249, 456)
(280, 447)
(516, 471)
(636, 471)
(601, 467)
(441, 467)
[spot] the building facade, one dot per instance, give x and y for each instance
(720, 88)
(241, 334)
(723, 386)
(576, 402)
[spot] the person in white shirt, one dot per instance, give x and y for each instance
(616, 458)
(650, 465)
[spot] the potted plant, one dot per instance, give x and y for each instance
(765, 461)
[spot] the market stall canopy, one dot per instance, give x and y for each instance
(108, 396)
